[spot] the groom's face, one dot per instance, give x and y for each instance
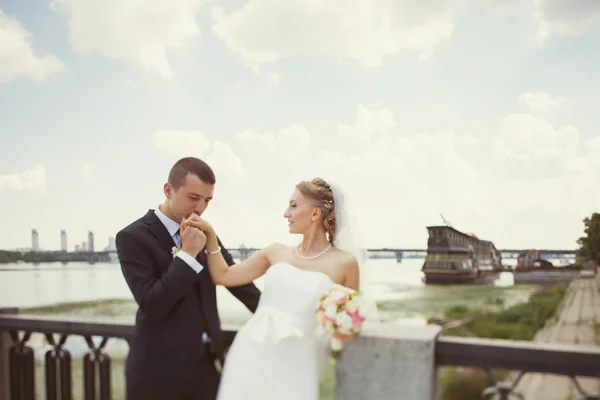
(192, 197)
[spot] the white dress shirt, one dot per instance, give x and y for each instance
(173, 227)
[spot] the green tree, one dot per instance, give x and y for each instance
(589, 245)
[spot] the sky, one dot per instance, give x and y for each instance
(484, 111)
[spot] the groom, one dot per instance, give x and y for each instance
(177, 344)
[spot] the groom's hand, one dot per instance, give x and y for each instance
(192, 239)
(197, 221)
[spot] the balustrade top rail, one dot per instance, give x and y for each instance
(573, 360)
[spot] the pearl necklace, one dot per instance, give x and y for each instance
(313, 257)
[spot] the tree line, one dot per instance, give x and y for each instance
(589, 245)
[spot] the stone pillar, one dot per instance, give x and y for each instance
(5, 343)
(388, 362)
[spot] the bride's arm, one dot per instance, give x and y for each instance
(238, 274)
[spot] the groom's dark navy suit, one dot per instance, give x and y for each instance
(168, 358)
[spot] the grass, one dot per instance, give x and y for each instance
(96, 308)
(432, 301)
(328, 383)
(518, 322)
(117, 379)
(465, 383)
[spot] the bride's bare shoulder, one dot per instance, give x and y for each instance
(346, 259)
(276, 248)
(349, 269)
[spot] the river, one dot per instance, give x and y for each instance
(397, 287)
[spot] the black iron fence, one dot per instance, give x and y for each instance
(17, 358)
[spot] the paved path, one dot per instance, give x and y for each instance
(577, 322)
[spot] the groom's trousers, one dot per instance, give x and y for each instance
(203, 388)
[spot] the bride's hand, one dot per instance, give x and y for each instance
(198, 222)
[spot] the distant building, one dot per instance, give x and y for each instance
(91, 241)
(77, 249)
(84, 246)
(526, 259)
(35, 240)
(63, 240)
(111, 244)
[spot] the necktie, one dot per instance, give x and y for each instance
(177, 239)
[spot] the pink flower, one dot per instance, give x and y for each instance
(357, 319)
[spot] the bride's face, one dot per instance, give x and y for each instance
(299, 213)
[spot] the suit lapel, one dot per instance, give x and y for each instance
(159, 231)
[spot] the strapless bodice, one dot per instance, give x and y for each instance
(287, 304)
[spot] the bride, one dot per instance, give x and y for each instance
(278, 352)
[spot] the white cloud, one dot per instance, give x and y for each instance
(512, 187)
(32, 179)
(87, 173)
(371, 124)
(17, 58)
(528, 145)
(263, 31)
(227, 165)
(540, 101)
(181, 143)
(273, 79)
(141, 32)
(290, 143)
(564, 17)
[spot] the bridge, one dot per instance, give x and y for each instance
(242, 253)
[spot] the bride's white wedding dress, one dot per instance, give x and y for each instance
(276, 355)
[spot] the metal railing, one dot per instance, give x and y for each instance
(522, 357)
(17, 359)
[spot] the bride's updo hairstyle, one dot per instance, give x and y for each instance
(320, 193)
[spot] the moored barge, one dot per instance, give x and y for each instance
(454, 257)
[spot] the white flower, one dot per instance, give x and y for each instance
(335, 296)
(344, 321)
(351, 306)
(331, 311)
(174, 250)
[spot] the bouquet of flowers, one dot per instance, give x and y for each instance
(338, 312)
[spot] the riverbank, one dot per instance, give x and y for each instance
(401, 304)
(518, 322)
(7, 257)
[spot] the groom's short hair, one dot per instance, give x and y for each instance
(190, 165)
